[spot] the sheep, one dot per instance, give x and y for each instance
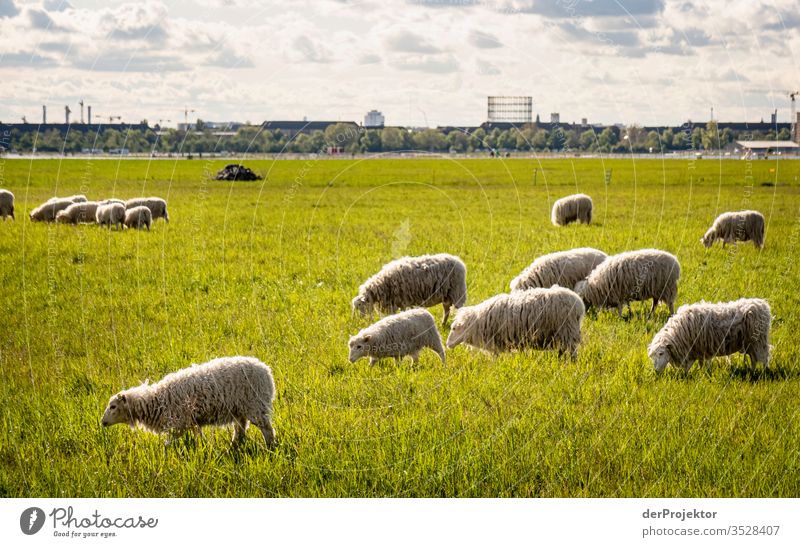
(82, 211)
(415, 281)
(6, 204)
(157, 206)
(705, 330)
(736, 226)
(47, 211)
(77, 198)
(110, 201)
(536, 318)
(563, 268)
(112, 214)
(634, 275)
(138, 217)
(222, 391)
(405, 333)
(577, 207)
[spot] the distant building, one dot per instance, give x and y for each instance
(584, 122)
(516, 110)
(555, 117)
(374, 119)
(220, 126)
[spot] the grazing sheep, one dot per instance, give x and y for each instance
(577, 207)
(157, 206)
(563, 268)
(138, 217)
(227, 390)
(47, 211)
(635, 275)
(82, 211)
(415, 281)
(110, 201)
(112, 214)
(736, 226)
(6, 204)
(704, 330)
(405, 333)
(77, 198)
(536, 318)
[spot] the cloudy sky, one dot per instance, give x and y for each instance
(421, 62)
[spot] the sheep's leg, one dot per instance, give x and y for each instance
(415, 357)
(672, 308)
(239, 430)
(398, 360)
(446, 307)
(264, 423)
(655, 304)
(373, 360)
(619, 311)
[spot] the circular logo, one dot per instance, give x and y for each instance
(31, 520)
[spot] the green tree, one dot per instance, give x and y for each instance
(587, 140)
(344, 135)
(393, 138)
(370, 141)
(477, 139)
(431, 140)
(457, 141)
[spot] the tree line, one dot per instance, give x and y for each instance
(351, 139)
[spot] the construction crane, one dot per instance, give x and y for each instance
(186, 112)
(112, 118)
(793, 120)
(66, 113)
(81, 103)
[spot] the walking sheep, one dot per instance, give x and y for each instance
(6, 204)
(536, 318)
(47, 211)
(112, 214)
(138, 217)
(157, 206)
(563, 268)
(736, 226)
(82, 211)
(415, 281)
(577, 207)
(405, 333)
(630, 276)
(228, 390)
(705, 330)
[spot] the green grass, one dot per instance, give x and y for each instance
(268, 269)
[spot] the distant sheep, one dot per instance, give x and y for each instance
(110, 201)
(77, 198)
(157, 206)
(228, 390)
(632, 276)
(536, 318)
(6, 204)
(405, 333)
(736, 226)
(705, 330)
(112, 214)
(47, 211)
(577, 207)
(415, 281)
(82, 211)
(138, 217)
(563, 268)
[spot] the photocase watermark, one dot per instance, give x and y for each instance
(67, 523)
(31, 520)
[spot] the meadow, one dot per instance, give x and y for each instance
(269, 268)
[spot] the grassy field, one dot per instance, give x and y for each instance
(269, 268)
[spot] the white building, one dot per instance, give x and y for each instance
(374, 119)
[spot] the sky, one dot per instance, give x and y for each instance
(420, 62)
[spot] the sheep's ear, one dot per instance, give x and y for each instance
(367, 337)
(123, 398)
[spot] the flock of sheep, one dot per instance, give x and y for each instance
(544, 310)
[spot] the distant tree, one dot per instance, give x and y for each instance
(343, 135)
(540, 139)
(667, 136)
(784, 135)
(507, 140)
(457, 141)
(588, 140)
(653, 142)
(711, 136)
(477, 139)
(200, 125)
(431, 140)
(393, 138)
(697, 138)
(607, 139)
(370, 141)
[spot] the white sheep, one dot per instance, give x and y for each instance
(536, 318)
(138, 217)
(736, 226)
(157, 206)
(112, 214)
(228, 390)
(564, 268)
(77, 198)
(632, 276)
(82, 211)
(405, 333)
(109, 201)
(47, 211)
(415, 281)
(705, 330)
(6, 204)
(577, 207)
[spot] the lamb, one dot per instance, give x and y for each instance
(415, 281)
(577, 207)
(405, 333)
(157, 206)
(112, 214)
(563, 268)
(634, 275)
(82, 211)
(536, 318)
(6, 204)
(704, 330)
(138, 217)
(736, 226)
(227, 390)
(47, 211)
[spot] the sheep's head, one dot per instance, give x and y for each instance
(62, 217)
(359, 347)
(117, 411)
(659, 354)
(708, 239)
(362, 305)
(460, 328)
(582, 290)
